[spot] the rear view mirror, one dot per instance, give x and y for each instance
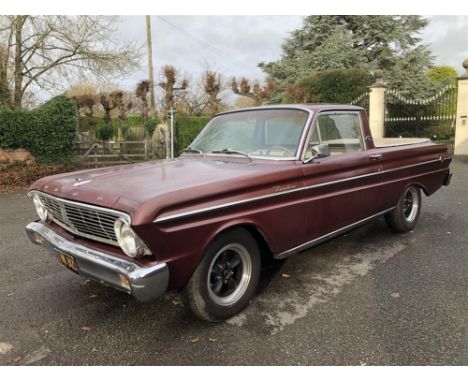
(319, 151)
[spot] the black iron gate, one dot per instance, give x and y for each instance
(432, 118)
(363, 101)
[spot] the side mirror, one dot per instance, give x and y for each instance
(319, 151)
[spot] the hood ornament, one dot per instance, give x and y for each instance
(79, 182)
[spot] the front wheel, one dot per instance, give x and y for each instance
(406, 214)
(226, 279)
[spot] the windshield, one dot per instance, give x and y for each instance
(271, 133)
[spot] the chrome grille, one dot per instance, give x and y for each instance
(83, 220)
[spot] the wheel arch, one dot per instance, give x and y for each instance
(418, 184)
(264, 242)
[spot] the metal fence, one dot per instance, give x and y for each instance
(432, 118)
(363, 101)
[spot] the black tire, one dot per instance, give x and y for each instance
(219, 264)
(406, 214)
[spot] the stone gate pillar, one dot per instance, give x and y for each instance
(377, 105)
(461, 127)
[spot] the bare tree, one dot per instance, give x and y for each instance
(255, 91)
(85, 97)
(192, 102)
(142, 89)
(124, 104)
(85, 103)
(242, 102)
(297, 94)
(5, 96)
(46, 50)
(212, 85)
(170, 84)
(109, 102)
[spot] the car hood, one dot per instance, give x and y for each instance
(144, 190)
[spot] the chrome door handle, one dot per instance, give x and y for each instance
(376, 156)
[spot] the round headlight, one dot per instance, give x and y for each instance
(40, 208)
(128, 240)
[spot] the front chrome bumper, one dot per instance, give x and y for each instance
(144, 283)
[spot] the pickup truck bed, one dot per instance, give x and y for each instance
(388, 142)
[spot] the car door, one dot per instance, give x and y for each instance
(345, 187)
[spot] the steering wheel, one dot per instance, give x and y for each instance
(285, 149)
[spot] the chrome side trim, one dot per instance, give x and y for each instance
(281, 193)
(327, 236)
(440, 159)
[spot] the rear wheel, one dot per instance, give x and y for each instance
(226, 279)
(406, 214)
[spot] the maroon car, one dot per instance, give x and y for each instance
(255, 184)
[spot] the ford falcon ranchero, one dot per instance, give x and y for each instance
(256, 184)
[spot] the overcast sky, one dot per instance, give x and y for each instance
(234, 45)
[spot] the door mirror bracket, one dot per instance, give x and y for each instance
(319, 151)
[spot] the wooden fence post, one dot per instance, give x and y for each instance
(461, 127)
(377, 106)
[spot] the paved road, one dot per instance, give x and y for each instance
(370, 297)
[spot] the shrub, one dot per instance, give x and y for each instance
(442, 76)
(47, 132)
(185, 131)
(13, 124)
(105, 132)
(150, 126)
(133, 120)
(4, 93)
(335, 85)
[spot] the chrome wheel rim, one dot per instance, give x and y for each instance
(410, 204)
(229, 274)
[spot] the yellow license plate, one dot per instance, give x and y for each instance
(68, 261)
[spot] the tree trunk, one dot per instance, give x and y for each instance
(5, 96)
(18, 91)
(145, 108)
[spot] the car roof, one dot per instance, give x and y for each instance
(312, 107)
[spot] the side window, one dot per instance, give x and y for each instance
(341, 131)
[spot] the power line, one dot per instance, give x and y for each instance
(219, 52)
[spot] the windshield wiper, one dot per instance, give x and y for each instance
(228, 151)
(192, 150)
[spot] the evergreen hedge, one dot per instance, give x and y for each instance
(336, 85)
(185, 131)
(47, 131)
